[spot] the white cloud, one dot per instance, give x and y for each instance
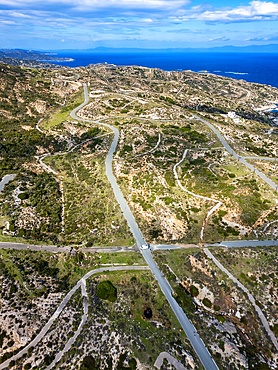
(97, 4)
(7, 22)
(219, 39)
(256, 10)
(264, 8)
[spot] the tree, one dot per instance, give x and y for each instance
(107, 291)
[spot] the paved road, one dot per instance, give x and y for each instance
(223, 141)
(65, 249)
(5, 180)
(164, 247)
(44, 330)
(187, 326)
(245, 243)
(171, 360)
(249, 295)
(37, 248)
(261, 158)
(109, 172)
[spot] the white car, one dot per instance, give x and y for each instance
(145, 246)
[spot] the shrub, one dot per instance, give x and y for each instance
(107, 291)
(207, 302)
(23, 196)
(88, 363)
(194, 291)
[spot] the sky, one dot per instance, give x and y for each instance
(83, 24)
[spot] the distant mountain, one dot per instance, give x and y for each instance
(272, 48)
(52, 56)
(28, 55)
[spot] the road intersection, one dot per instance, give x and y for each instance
(195, 340)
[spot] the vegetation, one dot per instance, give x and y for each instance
(74, 204)
(107, 291)
(205, 292)
(59, 115)
(135, 291)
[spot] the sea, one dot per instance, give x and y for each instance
(252, 67)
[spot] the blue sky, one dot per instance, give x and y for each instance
(82, 24)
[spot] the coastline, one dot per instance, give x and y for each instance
(252, 67)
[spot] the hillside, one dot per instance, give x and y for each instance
(184, 161)
(154, 111)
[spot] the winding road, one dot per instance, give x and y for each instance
(249, 295)
(229, 149)
(212, 210)
(187, 326)
(196, 342)
(61, 307)
(240, 243)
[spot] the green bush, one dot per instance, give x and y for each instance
(207, 302)
(89, 363)
(107, 291)
(23, 196)
(194, 291)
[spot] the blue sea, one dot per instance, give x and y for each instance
(253, 67)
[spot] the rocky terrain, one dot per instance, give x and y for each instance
(219, 309)
(114, 333)
(182, 186)
(154, 111)
(29, 58)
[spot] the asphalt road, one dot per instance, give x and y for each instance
(109, 172)
(44, 330)
(171, 360)
(36, 248)
(245, 243)
(5, 180)
(249, 295)
(229, 149)
(66, 249)
(187, 326)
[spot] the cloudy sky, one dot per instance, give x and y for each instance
(81, 24)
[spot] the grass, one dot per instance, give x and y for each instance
(92, 215)
(192, 266)
(62, 114)
(137, 290)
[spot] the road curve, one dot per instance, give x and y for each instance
(44, 330)
(171, 360)
(196, 342)
(5, 180)
(229, 149)
(249, 295)
(109, 172)
(212, 210)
